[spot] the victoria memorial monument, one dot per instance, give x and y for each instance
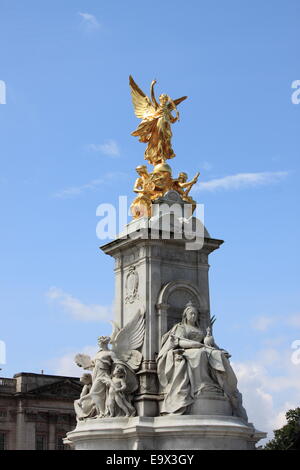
(160, 381)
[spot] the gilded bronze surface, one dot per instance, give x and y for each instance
(155, 130)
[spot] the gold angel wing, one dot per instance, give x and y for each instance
(141, 103)
(179, 100)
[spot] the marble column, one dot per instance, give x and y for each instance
(159, 276)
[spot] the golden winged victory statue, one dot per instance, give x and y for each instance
(155, 130)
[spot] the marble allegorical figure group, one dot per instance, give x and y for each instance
(108, 391)
(189, 363)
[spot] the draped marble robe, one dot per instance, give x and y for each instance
(185, 373)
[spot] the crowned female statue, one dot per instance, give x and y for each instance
(187, 367)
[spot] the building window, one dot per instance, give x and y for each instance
(40, 442)
(60, 444)
(2, 440)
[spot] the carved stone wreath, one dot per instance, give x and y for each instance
(131, 285)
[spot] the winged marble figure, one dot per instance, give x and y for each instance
(155, 128)
(113, 375)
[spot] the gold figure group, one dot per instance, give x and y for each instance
(155, 130)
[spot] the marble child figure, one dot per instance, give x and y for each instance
(116, 395)
(84, 409)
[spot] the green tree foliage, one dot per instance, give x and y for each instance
(288, 437)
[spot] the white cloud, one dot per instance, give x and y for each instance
(89, 21)
(275, 341)
(77, 309)
(109, 148)
(294, 320)
(206, 166)
(263, 322)
(280, 419)
(65, 364)
(270, 356)
(241, 180)
(74, 191)
(270, 387)
(77, 190)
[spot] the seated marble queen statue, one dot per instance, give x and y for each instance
(187, 367)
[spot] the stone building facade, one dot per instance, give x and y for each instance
(36, 411)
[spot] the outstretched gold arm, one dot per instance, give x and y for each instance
(191, 184)
(152, 94)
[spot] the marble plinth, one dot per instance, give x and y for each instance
(210, 404)
(159, 271)
(172, 432)
(159, 275)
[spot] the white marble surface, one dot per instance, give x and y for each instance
(170, 432)
(160, 276)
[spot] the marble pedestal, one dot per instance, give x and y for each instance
(172, 432)
(158, 272)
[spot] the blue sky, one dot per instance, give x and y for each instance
(65, 147)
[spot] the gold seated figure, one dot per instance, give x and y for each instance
(150, 186)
